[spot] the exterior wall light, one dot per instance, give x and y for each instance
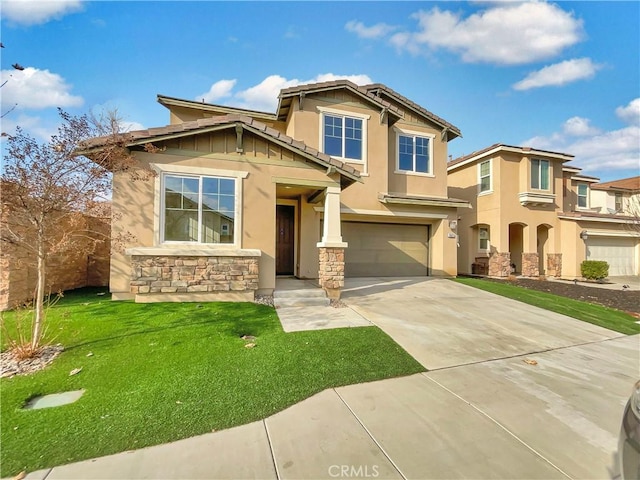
(584, 235)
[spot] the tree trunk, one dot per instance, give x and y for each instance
(39, 300)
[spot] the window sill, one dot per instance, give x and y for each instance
(487, 192)
(414, 174)
(194, 251)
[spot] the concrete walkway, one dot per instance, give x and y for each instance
(515, 392)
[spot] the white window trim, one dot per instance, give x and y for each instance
(414, 133)
(550, 179)
(480, 249)
(486, 192)
(586, 207)
(365, 128)
(158, 203)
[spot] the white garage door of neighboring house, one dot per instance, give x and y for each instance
(618, 252)
(385, 250)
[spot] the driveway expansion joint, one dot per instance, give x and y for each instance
(273, 455)
(506, 430)
(384, 452)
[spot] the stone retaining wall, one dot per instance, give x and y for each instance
(193, 274)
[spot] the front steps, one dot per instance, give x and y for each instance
(302, 297)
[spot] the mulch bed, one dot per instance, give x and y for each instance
(622, 299)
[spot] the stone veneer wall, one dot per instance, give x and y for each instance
(190, 274)
(554, 264)
(331, 272)
(530, 265)
(500, 264)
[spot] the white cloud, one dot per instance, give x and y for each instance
(596, 150)
(559, 74)
(504, 33)
(264, 95)
(34, 126)
(220, 89)
(127, 126)
(630, 113)
(36, 89)
(579, 127)
(374, 31)
(30, 12)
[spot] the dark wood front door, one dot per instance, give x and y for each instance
(285, 238)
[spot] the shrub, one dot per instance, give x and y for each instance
(594, 269)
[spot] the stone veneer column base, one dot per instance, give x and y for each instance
(530, 265)
(331, 270)
(554, 265)
(500, 264)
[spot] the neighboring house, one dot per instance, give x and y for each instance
(342, 180)
(533, 215)
(601, 221)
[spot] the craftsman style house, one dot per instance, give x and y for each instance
(342, 180)
(534, 215)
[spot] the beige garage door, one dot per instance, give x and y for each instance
(619, 252)
(385, 250)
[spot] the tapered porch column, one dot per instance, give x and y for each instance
(331, 248)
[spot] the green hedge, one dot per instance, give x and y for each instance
(594, 269)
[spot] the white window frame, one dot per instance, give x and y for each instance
(490, 190)
(480, 239)
(345, 114)
(539, 173)
(413, 133)
(187, 171)
(585, 196)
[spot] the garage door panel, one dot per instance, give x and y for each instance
(619, 253)
(385, 249)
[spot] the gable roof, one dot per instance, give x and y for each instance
(287, 94)
(631, 184)
(498, 147)
(378, 88)
(150, 135)
(211, 107)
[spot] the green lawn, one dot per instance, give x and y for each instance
(587, 312)
(161, 372)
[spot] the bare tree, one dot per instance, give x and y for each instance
(46, 189)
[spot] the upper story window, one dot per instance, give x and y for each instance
(618, 201)
(583, 195)
(343, 137)
(198, 209)
(414, 152)
(484, 176)
(540, 174)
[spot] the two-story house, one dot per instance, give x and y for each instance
(342, 180)
(533, 215)
(601, 221)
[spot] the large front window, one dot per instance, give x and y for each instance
(414, 153)
(199, 209)
(583, 195)
(540, 174)
(343, 137)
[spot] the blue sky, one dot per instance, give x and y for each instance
(562, 76)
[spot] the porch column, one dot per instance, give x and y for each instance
(331, 248)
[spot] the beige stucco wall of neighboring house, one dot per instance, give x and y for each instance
(501, 207)
(265, 166)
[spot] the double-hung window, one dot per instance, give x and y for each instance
(540, 174)
(484, 174)
(483, 238)
(583, 195)
(618, 202)
(198, 209)
(414, 152)
(343, 136)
